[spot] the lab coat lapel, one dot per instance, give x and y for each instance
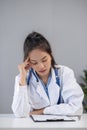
(53, 92)
(39, 88)
(53, 89)
(41, 92)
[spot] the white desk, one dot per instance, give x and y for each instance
(9, 121)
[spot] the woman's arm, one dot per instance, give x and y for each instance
(20, 104)
(37, 112)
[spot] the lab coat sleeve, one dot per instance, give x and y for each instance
(20, 105)
(72, 95)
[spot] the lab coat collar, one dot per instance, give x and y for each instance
(53, 72)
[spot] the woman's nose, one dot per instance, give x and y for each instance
(40, 65)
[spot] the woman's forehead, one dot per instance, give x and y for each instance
(37, 54)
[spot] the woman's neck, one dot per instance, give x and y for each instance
(45, 78)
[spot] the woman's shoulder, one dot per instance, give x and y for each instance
(64, 68)
(65, 73)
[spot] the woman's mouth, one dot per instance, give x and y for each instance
(42, 71)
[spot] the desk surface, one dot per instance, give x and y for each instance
(9, 121)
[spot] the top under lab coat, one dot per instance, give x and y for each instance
(28, 98)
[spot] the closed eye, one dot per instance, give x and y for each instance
(34, 63)
(44, 60)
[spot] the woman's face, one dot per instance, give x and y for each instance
(40, 61)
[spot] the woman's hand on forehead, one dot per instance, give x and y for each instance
(27, 63)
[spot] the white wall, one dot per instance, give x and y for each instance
(62, 22)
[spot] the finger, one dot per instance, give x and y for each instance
(27, 64)
(27, 60)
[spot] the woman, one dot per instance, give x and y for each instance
(43, 87)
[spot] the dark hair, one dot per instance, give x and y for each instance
(37, 41)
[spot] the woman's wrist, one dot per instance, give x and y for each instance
(22, 81)
(37, 112)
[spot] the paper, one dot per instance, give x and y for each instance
(41, 118)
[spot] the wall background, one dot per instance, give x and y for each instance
(62, 22)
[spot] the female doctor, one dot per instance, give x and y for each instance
(43, 87)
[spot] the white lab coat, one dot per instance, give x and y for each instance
(27, 98)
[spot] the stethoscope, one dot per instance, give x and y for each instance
(29, 76)
(56, 75)
(32, 72)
